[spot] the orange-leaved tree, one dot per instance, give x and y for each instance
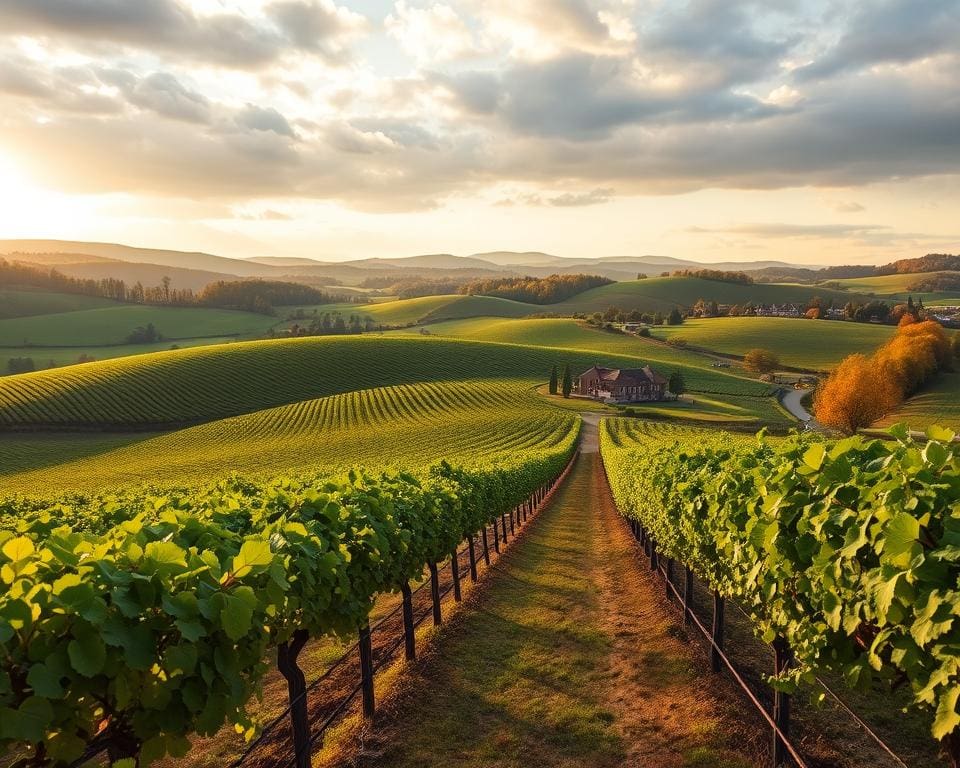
(855, 395)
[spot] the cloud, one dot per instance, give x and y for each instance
(885, 31)
(264, 119)
(165, 95)
(226, 39)
(562, 200)
(851, 206)
(872, 235)
(434, 34)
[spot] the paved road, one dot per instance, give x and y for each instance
(791, 401)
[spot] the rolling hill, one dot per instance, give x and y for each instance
(185, 386)
(815, 344)
(20, 303)
(111, 324)
(406, 426)
(897, 286)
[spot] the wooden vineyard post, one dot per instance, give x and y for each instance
(687, 594)
(287, 654)
(512, 532)
(503, 524)
(782, 658)
(486, 547)
(669, 578)
(473, 559)
(435, 594)
(496, 536)
(654, 560)
(455, 571)
(717, 635)
(366, 674)
(409, 639)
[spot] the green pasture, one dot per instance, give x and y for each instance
(112, 325)
(801, 343)
(25, 303)
(937, 403)
(57, 357)
(895, 286)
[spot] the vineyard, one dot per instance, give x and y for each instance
(844, 553)
(408, 426)
(186, 594)
(193, 385)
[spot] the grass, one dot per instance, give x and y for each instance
(406, 426)
(205, 383)
(112, 325)
(815, 344)
(57, 357)
(661, 294)
(26, 303)
(938, 403)
(430, 308)
(895, 286)
(569, 662)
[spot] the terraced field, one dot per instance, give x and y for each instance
(406, 426)
(195, 385)
(815, 344)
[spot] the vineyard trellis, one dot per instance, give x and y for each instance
(843, 554)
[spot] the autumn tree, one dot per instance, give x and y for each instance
(855, 395)
(761, 361)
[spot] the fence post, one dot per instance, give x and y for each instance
(366, 673)
(503, 523)
(669, 578)
(287, 654)
(435, 593)
(409, 639)
(496, 536)
(486, 546)
(512, 533)
(473, 559)
(455, 570)
(717, 636)
(654, 560)
(687, 594)
(782, 658)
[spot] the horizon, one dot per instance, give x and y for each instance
(815, 134)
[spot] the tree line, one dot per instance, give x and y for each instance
(259, 296)
(535, 290)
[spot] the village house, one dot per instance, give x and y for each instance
(621, 385)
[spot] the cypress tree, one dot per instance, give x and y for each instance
(553, 381)
(567, 382)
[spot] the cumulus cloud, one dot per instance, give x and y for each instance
(228, 39)
(167, 96)
(257, 118)
(883, 31)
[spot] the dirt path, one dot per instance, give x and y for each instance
(568, 656)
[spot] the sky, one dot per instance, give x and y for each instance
(819, 132)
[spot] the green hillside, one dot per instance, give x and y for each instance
(896, 286)
(432, 308)
(816, 344)
(938, 403)
(571, 334)
(112, 324)
(56, 357)
(404, 426)
(661, 294)
(193, 385)
(23, 303)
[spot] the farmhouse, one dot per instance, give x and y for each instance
(622, 385)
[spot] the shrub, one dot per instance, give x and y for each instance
(761, 361)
